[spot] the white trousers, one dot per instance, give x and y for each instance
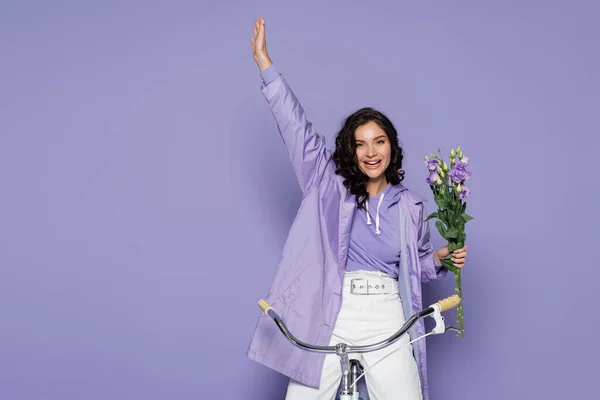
(390, 373)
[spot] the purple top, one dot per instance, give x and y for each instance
(375, 239)
(374, 236)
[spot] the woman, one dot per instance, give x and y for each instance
(355, 257)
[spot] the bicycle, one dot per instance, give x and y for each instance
(352, 370)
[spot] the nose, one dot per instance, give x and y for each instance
(371, 152)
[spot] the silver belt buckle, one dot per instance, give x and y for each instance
(358, 286)
(363, 286)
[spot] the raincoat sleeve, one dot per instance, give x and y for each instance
(430, 270)
(306, 148)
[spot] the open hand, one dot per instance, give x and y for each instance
(259, 45)
(458, 256)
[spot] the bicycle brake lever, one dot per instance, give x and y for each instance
(451, 328)
(440, 326)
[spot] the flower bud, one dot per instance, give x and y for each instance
(445, 167)
(460, 154)
(458, 188)
(426, 158)
(441, 173)
(438, 181)
(452, 153)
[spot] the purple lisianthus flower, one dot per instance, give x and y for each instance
(459, 175)
(432, 164)
(432, 178)
(460, 165)
(464, 193)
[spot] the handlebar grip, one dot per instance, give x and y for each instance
(449, 302)
(264, 306)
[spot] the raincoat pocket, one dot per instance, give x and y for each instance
(289, 294)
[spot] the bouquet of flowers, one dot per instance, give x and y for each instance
(447, 182)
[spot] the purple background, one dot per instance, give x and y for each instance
(146, 195)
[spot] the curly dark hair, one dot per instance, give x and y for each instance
(344, 155)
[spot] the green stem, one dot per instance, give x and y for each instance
(459, 308)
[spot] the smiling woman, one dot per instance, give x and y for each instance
(367, 154)
(334, 247)
(372, 154)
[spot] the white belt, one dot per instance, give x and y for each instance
(373, 286)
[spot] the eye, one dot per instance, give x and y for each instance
(358, 145)
(381, 141)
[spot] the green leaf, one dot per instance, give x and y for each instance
(449, 264)
(443, 216)
(466, 217)
(463, 208)
(452, 233)
(432, 215)
(441, 203)
(455, 207)
(452, 217)
(457, 204)
(453, 246)
(441, 228)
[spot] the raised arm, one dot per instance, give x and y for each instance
(306, 147)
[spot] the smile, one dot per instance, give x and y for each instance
(372, 164)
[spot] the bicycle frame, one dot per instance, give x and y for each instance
(351, 369)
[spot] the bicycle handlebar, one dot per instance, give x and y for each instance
(264, 306)
(448, 303)
(441, 306)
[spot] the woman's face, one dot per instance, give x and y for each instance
(373, 150)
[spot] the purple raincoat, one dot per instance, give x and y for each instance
(307, 288)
